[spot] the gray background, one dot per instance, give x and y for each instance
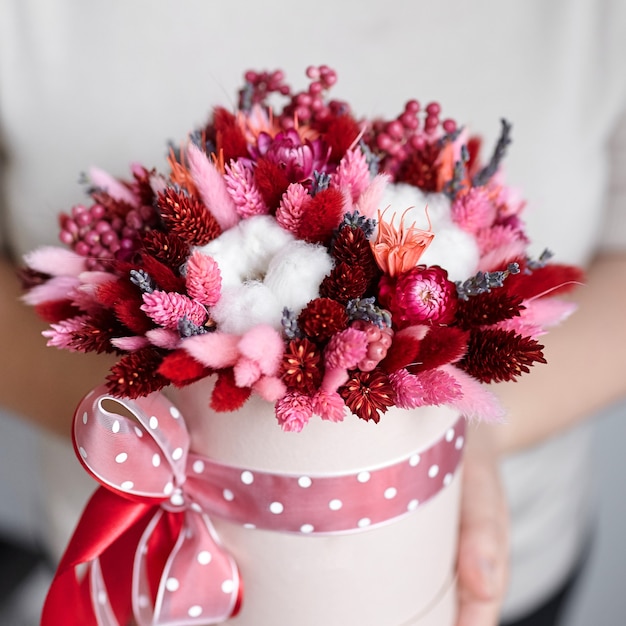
(600, 598)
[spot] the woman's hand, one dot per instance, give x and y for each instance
(483, 541)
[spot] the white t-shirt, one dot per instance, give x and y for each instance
(108, 82)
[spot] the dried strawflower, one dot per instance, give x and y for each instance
(368, 394)
(301, 367)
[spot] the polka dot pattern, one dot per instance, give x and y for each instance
(154, 462)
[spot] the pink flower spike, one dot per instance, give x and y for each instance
(329, 406)
(61, 335)
(293, 411)
(270, 388)
(408, 389)
(247, 372)
(290, 209)
(163, 338)
(55, 261)
(263, 345)
(476, 401)
(103, 180)
(168, 308)
(215, 350)
(57, 288)
(203, 281)
(439, 387)
(369, 201)
(243, 190)
(346, 348)
(352, 174)
(130, 344)
(212, 188)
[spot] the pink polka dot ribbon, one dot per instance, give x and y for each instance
(157, 498)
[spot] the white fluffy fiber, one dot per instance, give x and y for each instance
(264, 269)
(452, 248)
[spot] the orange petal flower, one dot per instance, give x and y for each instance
(398, 250)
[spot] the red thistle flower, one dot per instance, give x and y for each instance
(344, 283)
(229, 140)
(226, 395)
(180, 368)
(420, 169)
(271, 181)
(301, 368)
(488, 308)
(368, 394)
(322, 318)
(136, 374)
(165, 247)
(186, 217)
(496, 355)
(352, 247)
(321, 215)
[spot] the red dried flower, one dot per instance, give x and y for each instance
(321, 215)
(344, 283)
(352, 247)
(402, 352)
(271, 181)
(421, 295)
(226, 395)
(441, 345)
(368, 394)
(322, 318)
(96, 333)
(164, 277)
(167, 248)
(420, 169)
(129, 313)
(136, 374)
(185, 216)
(56, 310)
(495, 355)
(301, 367)
(339, 132)
(229, 140)
(180, 368)
(488, 308)
(552, 278)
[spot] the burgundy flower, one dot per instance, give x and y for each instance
(298, 158)
(137, 374)
(421, 295)
(496, 355)
(301, 366)
(322, 318)
(368, 394)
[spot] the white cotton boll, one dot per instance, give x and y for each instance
(295, 273)
(401, 196)
(454, 250)
(244, 252)
(247, 305)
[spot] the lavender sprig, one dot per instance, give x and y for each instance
(321, 181)
(289, 322)
(143, 280)
(186, 328)
(484, 282)
(483, 177)
(365, 309)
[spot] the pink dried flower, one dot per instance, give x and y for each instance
(243, 190)
(329, 406)
(408, 389)
(61, 335)
(346, 348)
(474, 210)
(369, 201)
(204, 281)
(423, 294)
(439, 387)
(167, 309)
(291, 207)
(293, 411)
(352, 174)
(129, 344)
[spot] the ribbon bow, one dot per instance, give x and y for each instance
(147, 543)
